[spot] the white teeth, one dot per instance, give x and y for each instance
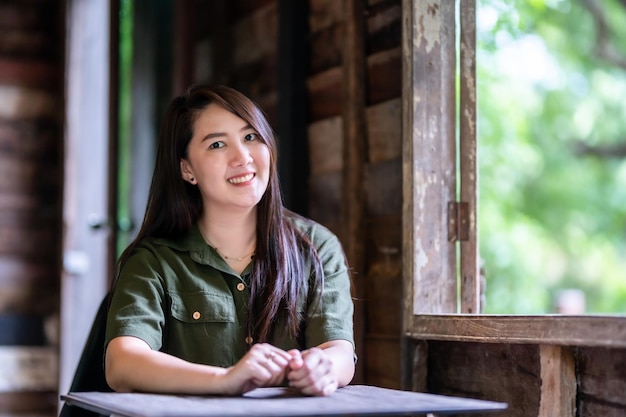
(240, 180)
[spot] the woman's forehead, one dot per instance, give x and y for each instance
(215, 117)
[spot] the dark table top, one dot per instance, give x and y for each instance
(353, 400)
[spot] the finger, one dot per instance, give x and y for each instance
(295, 360)
(315, 364)
(276, 364)
(323, 387)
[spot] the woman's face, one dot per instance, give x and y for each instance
(227, 159)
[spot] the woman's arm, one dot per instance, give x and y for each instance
(131, 365)
(322, 369)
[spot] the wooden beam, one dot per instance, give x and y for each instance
(606, 331)
(354, 157)
(558, 382)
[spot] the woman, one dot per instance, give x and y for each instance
(225, 290)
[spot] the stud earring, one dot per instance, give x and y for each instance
(192, 179)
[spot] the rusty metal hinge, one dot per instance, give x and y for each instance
(458, 221)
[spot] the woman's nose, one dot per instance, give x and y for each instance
(241, 155)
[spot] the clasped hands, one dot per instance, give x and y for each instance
(310, 371)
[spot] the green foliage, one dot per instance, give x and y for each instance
(124, 123)
(552, 215)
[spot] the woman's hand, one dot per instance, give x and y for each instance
(322, 369)
(311, 372)
(263, 366)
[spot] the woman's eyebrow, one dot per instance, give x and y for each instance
(221, 134)
(213, 135)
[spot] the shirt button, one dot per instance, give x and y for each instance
(241, 286)
(249, 340)
(196, 315)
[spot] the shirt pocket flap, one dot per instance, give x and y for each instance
(202, 307)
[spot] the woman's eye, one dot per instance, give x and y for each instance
(216, 145)
(250, 136)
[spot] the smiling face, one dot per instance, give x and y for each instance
(227, 159)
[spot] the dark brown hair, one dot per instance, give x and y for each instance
(280, 274)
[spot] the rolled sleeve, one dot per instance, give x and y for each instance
(331, 316)
(137, 305)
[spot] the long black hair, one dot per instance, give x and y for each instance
(285, 265)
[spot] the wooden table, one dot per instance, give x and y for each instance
(353, 400)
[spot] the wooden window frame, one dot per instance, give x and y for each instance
(431, 309)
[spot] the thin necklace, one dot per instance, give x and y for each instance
(235, 258)
(232, 258)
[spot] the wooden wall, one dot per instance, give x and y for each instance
(353, 180)
(31, 154)
(232, 43)
(535, 380)
(376, 275)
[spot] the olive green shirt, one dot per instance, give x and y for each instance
(181, 297)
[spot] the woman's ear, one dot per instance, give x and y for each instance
(186, 172)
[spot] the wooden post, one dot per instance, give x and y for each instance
(470, 268)
(429, 173)
(558, 382)
(354, 156)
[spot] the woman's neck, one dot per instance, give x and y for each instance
(232, 235)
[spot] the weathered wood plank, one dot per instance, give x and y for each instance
(383, 83)
(381, 295)
(326, 48)
(558, 382)
(607, 331)
(324, 94)
(326, 145)
(324, 14)
(506, 373)
(255, 78)
(20, 176)
(16, 271)
(30, 73)
(21, 103)
(383, 182)
(384, 131)
(428, 69)
(385, 241)
(384, 26)
(30, 403)
(383, 369)
(602, 382)
(30, 297)
(256, 35)
(384, 80)
(327, 32)
(325, 198)
(28, 241)
(468, 148)
(30, 138)
(269, 104)
(414, 370)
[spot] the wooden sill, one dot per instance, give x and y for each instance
(596, 331)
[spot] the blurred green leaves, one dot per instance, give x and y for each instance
(552, 155)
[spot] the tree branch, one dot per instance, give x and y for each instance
(604, 48)
(612, 151)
